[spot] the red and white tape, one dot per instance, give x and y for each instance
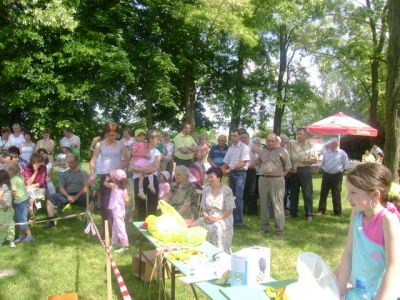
(45, 221)
(122, 287)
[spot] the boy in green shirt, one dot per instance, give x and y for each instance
(21, 201)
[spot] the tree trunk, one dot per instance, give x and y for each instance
(189, 97)
(238, 96)
(374, 93)
(280, 105)
(392, 119)
(378, 39)
(149, 112)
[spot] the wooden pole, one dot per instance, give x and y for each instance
(87, 204)
(108, 263)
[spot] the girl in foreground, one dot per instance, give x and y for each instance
(373, 241)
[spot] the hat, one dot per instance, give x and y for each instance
(66, 144)
(166, 175)
(118, 174)
(140, 131)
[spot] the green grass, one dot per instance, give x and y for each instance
(63, 259)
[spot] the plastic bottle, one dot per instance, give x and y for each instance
(358, 292)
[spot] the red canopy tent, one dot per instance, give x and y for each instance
(341, 124)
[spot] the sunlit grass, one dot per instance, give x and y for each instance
(63, 259)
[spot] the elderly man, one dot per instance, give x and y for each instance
(185, 146)
(274, 164)
(302, 156)
(333, 165)
(73, 139)
(72, 189)
(235, 165)
(217, 152)
(17, 137)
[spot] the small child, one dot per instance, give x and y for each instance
(49, 167)
(21, 201)
(140, 157)
(7, 232)
(62, 158)
(118, 184)
(164, 186)
(373, 241)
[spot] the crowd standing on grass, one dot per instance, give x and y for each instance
(265, 177)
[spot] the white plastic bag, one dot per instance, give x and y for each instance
(316, 281)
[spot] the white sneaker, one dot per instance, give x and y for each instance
(120, 250)
(12, 244)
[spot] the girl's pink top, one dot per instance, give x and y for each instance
(163, 189)
(374, 228)
(139, 148)
(40, 176)
(138, 161)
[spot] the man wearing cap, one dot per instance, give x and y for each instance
(73, 139)
(185, 146)
(333, 165)
(72, 189)
(274, 164)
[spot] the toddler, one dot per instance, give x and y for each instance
(140, 159)
(164, 186)
(373, 241)
(21, 201)
(7, 232)
(118, 184)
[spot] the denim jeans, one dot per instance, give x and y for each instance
(301, 179)
(21, 214)
(237, 180)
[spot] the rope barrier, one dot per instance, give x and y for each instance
(32, 222)
(92, 228)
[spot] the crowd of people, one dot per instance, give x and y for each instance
(146, 166)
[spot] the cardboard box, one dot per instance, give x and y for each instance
(251, 266)
(147, 264)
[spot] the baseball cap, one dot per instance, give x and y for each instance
(118, 174)
(140, 131)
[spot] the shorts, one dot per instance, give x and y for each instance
(21, 214)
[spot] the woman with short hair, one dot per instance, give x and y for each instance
(146, 207)
(182, 195)
(217, 204)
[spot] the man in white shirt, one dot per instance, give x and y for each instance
(17, 138)
(71, 138)
(333, 165)
(235, 165)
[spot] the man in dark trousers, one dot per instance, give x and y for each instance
(333, 165)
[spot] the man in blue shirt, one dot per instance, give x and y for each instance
(333, 165)
(217, 152)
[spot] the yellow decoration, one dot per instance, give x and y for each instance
(276, 294)
(171, 227)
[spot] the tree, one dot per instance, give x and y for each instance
(392, 101)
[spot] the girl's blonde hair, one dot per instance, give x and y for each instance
(370, 177)
(13, 168)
